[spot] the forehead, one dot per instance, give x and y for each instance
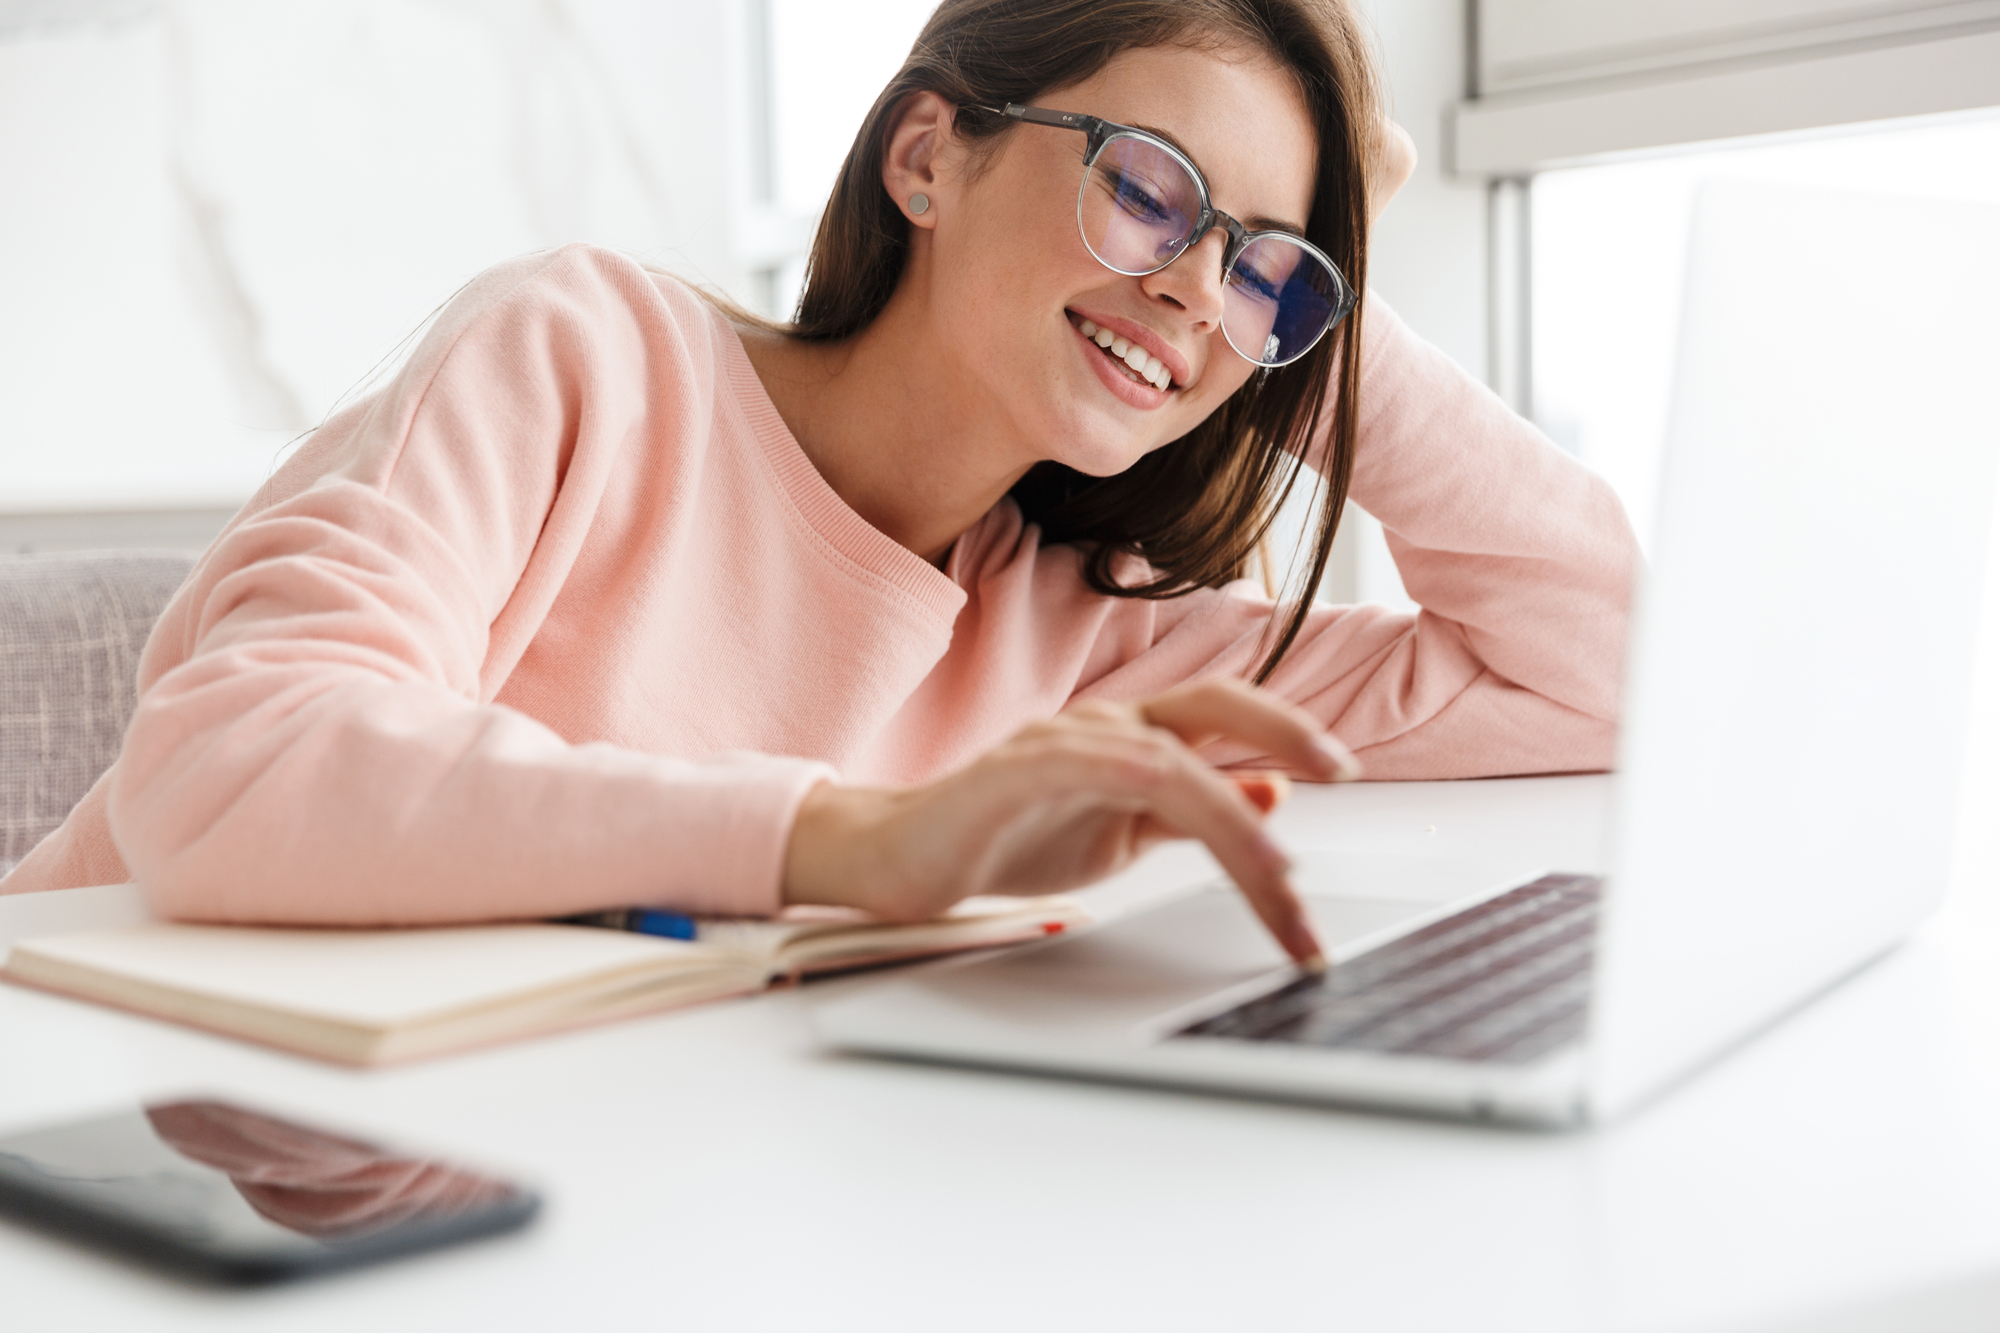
(1238, 114)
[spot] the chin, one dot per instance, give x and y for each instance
(1096, 447)
(1108, 461)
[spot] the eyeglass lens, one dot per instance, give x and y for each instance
(1138, 209)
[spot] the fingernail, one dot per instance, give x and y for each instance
(1313, 966)
(1346, 768)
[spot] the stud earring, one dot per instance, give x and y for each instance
(920, 204)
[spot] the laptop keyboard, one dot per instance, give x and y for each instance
(1507, 980)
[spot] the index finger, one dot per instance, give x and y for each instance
(1240, 712)
(1196, 800)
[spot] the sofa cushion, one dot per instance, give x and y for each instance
(71, 629)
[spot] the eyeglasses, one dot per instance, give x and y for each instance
(1143, 204)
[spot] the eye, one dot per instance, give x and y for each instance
(1139, 200)
(1266, 269)
(1254, 282)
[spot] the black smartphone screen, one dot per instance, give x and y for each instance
(234, 1195)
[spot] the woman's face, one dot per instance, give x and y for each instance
(1009, 273)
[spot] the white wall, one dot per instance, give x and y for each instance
(221, 214)
(1429, 253)
(1429, 259)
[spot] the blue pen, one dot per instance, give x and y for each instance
(643, 920)
(649, 921)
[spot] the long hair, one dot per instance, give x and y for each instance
(1196, 509)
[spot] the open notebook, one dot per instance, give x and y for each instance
(366, 997)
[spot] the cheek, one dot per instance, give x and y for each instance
(1224, 374)
(1007, 271)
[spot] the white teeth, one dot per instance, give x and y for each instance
(1143, 364)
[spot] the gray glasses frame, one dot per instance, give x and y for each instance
(1099, 134)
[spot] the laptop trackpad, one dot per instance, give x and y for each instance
(1133, 969)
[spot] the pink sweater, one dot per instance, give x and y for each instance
(563, 619)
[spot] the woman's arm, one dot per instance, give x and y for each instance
(317, 740)
(1521, 559)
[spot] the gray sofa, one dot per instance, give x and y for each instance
(71, 629)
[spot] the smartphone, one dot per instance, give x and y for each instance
(222, 1193)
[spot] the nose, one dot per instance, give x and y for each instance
(1194, 281)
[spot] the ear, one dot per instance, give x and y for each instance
(922, 145)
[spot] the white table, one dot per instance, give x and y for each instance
(712, 1170)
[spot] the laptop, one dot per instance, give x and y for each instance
(1797, 697)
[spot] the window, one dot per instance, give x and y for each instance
(1609, 245)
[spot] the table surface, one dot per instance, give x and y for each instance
(715, 1169)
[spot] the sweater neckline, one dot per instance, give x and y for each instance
(851, 536)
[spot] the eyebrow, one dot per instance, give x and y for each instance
(1259, 222)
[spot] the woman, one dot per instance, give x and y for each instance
(609, 599)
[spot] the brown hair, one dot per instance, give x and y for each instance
(1197, 508)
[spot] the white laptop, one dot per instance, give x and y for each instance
(1789, 759)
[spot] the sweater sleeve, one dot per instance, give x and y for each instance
(316, 738)
(1522, 562)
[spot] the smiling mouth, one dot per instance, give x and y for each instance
(1139, 365)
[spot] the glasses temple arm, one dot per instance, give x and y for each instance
(1036, 115)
